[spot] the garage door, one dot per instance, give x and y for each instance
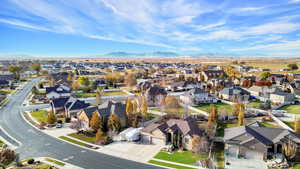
(254, 155)
(157, 141)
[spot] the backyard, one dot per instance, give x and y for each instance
(293, 109)
(179, 110)
(93, 94)
(185, 157)
(222, 107)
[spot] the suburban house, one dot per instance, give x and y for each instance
(213, 74)
(182, 86)
(263, 92)
(104, 110)
(197, 96)
(282, 97)
(67, 106)
(58, 91)
(60, 77)
(155, 94)
(257, 142)
(234, 93)
(176, 132)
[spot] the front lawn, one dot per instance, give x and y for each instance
(114, 93)
(55, 161)
(185, 157)
(40, 116)
(255, 104)
(293, 109)
(73, 141)
(291, 124)
(220, 106)
(84, 95)
(267, 124)
(168, 165)
(90, 139)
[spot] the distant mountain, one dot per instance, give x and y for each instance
(134, 55)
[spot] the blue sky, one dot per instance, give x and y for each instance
(83, 27)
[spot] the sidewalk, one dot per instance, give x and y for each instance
(179, 164)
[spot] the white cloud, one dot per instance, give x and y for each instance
(273, 27)
(207, 27)
(288, 45)
(190, 49)
(24, 25)
(248, 9)
(294, 1)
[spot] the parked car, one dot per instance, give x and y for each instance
(59, 125)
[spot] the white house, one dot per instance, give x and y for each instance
(197, 96)
(58, 91)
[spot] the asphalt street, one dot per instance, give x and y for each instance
(34, 143)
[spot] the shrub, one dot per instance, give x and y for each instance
(68, 120)
(59, 121)
(30, 161)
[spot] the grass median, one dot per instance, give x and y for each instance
(73, 141)
(55, 161)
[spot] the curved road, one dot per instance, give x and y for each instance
(34, 143)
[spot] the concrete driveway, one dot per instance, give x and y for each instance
(236, 163)
(131, 151)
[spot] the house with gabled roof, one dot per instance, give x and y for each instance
(67, 106)
(58, 91)
(177, 132)
(104, 110)
(254, 141)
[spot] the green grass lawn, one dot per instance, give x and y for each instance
(55, 161)
(83, 137)
(222, 126)
(291, 124)
(219, 154)
(293, 109)
(152, 116)
(114, 93)
(84, 95)
(297, 166)
(93, 94)
(266, 124)
(185, 157)
(1, 143)
(220, 106)
(73, 141)
(40, 116)
(255, 104)
(180, 110)
(168, 165)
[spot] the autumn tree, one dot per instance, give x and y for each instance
(36, 67)
(264, 75)
(213, 111)
(130, 80)
(114, 123)
(144, 106)
(70, 77)
(96, 121)
(75, 85)
(84, 81)
(7, 156)
(171, 104)
(101, 138)
(15, 70)
(196, 144)
(241, 117)
(129, 106)
(297, 125)
(134, 106)
(99, 94)
(51, 119)
(289, 150)
(34, 90)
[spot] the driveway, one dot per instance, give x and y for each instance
(236, 163)
(131, 151)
